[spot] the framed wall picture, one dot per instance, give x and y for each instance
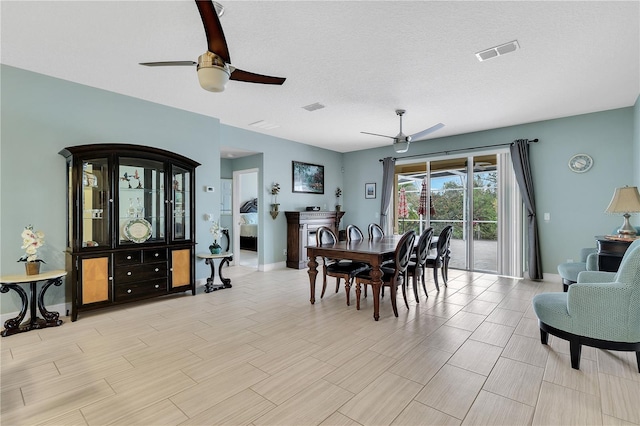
(369, 190)
(307, 178)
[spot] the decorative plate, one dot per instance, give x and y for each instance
(580, 163)
(137, 230)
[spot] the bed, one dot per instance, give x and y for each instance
(249, 225)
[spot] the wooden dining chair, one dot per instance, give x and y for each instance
(354, 233)
(394, 276)
(440, 260)
(375, 231)
(340, 269)
(417, 265)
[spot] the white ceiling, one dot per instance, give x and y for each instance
(362, 60)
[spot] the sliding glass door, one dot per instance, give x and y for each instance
(462, 192)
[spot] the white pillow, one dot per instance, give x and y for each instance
(250, 218)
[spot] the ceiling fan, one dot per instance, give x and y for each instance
(214, 66)
(401, 141)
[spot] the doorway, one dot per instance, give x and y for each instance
(474, 194)
(245, 222)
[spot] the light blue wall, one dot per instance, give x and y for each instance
(576, 202)
(636, 146)
(41, 115)
(277, 155)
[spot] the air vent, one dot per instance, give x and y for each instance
(265, 125)
(496, 51)
(313, 107)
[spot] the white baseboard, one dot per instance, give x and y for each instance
(272, 266)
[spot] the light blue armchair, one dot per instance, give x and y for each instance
(601, 310)
(569, 271)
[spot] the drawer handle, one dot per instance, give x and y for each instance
(129, 273)
(129, 257)
(157, 269)
(157, 286)
(129, 291)
(110, 278)
(157, 254)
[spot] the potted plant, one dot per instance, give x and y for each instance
(275, 189)
(216, 231)
(338, 195)
(31, 242)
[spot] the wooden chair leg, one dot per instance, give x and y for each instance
(324, 284)
(435, 277)
(575, 349)
(347, 289)
(415, 286)
(394, 290)
(424, 285)
(404, 291)
(337, 284)
(358, 291)
(638, 359)
(544, 337)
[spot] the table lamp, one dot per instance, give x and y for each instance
(625, 200)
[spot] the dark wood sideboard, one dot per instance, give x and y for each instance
(610, 252)
(301, 232)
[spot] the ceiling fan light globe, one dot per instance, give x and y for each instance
(400, 146)
(213, 79)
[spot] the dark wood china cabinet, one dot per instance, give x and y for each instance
(131, 226)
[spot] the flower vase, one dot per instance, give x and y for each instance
(32, 268)
(215, 248)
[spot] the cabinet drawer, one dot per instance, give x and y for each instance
(154, 255)
(128, 257)
(140, 272)
(140, 289)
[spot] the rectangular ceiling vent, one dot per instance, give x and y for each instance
(265, 125)
(496, 51)
(313, 107)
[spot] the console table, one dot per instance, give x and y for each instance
(611, 251)
(209, 258)
(14, 282)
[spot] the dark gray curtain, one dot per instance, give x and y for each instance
(388, 169)
(522, 167)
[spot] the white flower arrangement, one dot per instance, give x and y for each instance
(31, 242)
(216, 231)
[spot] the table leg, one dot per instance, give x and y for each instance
(12, 326)
(51, 319)
(313, 271)
(226, 282)
(376, 283)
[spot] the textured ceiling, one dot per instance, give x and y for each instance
(362, 60)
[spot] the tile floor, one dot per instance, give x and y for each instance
(261, 354)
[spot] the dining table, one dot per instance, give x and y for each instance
(374, 252)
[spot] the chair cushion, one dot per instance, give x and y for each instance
(351, 268)
(551, 309)
(570, 270)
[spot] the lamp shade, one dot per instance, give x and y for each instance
(625, 200)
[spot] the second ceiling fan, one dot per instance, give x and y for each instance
(214, 66)
(401, 141)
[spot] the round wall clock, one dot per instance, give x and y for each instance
(580, 163)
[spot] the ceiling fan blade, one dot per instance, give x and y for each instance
(376, 134)
(169, 64)
(216, 42)
(426, 132)
(249, 77)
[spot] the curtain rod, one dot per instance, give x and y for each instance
(457, 150)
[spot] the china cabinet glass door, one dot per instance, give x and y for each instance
(94, 227)
(180, 202)
(141, 201)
